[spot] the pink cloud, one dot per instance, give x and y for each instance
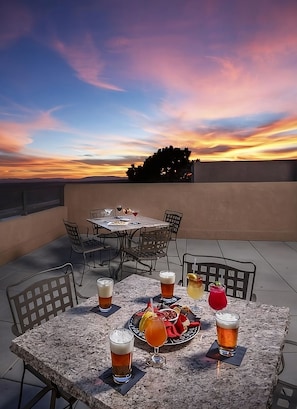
(85, 58)
(17, 135)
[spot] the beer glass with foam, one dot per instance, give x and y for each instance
(227, 332)
(167, 280)
(105, 289)
(121, 341)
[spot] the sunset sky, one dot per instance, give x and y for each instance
(89, 87)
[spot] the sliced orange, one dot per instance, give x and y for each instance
(144, 320)
(192, 277)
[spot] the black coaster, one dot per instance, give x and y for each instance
(137, 374)
(213, 353)
(159, 299)
(113, 309)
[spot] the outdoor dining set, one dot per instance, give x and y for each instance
(65, 339)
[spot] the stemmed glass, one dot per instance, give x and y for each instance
(195, 290)
(217, 296)
(135, 213)
(119, 208)
(156, 335)
(108, 212)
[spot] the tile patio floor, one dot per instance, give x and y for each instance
(276, 283)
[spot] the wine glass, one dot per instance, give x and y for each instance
(195, 290)
(108, 211)
(217, 296)
(119, 208)
(156, 335)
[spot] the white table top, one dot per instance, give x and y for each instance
(131, 222)
(72, 350)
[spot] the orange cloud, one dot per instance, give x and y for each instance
(15, 136)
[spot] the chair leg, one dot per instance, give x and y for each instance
(180, 262)
(82, 276)
(53, 398)
(22, 385)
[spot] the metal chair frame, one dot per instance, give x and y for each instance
(285, 393)
(33, 301)
(101, 232)
(88, 245)
(174, 218)
(152, 245)
(237, 276)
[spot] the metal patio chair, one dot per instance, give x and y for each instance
(237, 276)
(101, 232)
(152, 245)
(33, 301)
(83, 244)
(285, 393)
(174, 218)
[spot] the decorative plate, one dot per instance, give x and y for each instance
(187, 336)
(118, 223)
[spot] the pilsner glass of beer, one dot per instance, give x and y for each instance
(227, 332)
(121, 341)
(105, 289)
(167, 280)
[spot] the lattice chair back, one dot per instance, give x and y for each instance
(237, 276)
(40, 297)
(174, 219)
(154, 241)
(74, 236)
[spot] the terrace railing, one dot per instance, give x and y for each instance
(19, 199)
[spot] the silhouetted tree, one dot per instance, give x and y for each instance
(167, 165)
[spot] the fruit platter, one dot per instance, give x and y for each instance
(181, 324)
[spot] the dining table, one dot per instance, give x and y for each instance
(72, 350)
(126, 228)
(125, 224)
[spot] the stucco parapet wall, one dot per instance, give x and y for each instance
(23, 234)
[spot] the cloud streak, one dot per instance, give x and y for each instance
(220, 82)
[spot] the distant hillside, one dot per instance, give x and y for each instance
(90, 179)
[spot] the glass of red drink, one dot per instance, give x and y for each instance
(217, 296)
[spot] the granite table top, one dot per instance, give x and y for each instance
(72, 350)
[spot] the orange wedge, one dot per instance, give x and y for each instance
(144, 320)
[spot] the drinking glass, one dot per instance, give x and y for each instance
(119, 209)
(156, 335)
(195, 290)
(167, 280)
(108, 211)
(217, 296)
(105, 290)
(121, 341)
(227, 332)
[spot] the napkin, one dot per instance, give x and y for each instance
(213, 353)
(137, 374)
(113, 309)
(159, 299)
(181, 325)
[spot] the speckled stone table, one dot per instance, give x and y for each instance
(72, 350)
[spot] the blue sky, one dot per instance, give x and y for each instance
(89, 87)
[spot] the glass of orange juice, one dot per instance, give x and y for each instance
(156, 336)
